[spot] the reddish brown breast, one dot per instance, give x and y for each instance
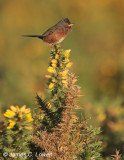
(56, 37)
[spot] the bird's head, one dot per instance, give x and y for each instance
(66, 23)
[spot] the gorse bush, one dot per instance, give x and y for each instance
(61, 132)
(54, 132)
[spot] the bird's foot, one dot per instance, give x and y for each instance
(57, 46)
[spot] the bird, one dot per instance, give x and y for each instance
(55, 34)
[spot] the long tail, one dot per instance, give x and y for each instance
(38, 36)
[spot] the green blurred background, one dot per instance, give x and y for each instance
(97, 44)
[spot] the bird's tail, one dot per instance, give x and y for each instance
(38, 36)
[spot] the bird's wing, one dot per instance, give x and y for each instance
(50, 31)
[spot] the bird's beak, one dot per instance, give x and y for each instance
(71, 24)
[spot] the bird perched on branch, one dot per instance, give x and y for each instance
(55, 34)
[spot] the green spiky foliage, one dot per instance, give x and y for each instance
(91, 145)
(2, 133)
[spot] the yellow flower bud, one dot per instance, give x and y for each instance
(27, 110)
(42, 116)
(29, 117)
(66, 59)
(65, 72)
(51, 85)
(29, 128)
(67, 53)
(48, 76)
(60, 74)
(102, 117)
(69, 64)
(17, 108)
(54, 61)
(53, 65)
(51, 69)
(64, 81)
(60, 64)
(65, 77)
(53, 80)
(58, 50)
(20, 115)
(65, 85)
(49, 105)
(11, 125)
(56, 56)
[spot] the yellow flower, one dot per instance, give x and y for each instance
(20, 115)
(53, 80)
(69, 64)
(115, 126)
(65, 77)
(53, 65)
(58, 50)
(29, 117)
(60, 74)
(119, 110)
(17, 109)
(22, 109)
(102, 117)
(60, 64)
(13, 108)
(65, 72)
(42, 116)
(50, 69)
(11, 125)
(65, 85)
(48, 76)
(51, 85)
(64, 81)
(66, 60)
(54, 61)
(27, 110)
(9, 113)
(67, 53)
(56, 56)
(49, 105)
(29, 128)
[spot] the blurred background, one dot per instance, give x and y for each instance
(97, 44)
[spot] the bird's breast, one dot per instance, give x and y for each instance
(61, 39)
(56, 37)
